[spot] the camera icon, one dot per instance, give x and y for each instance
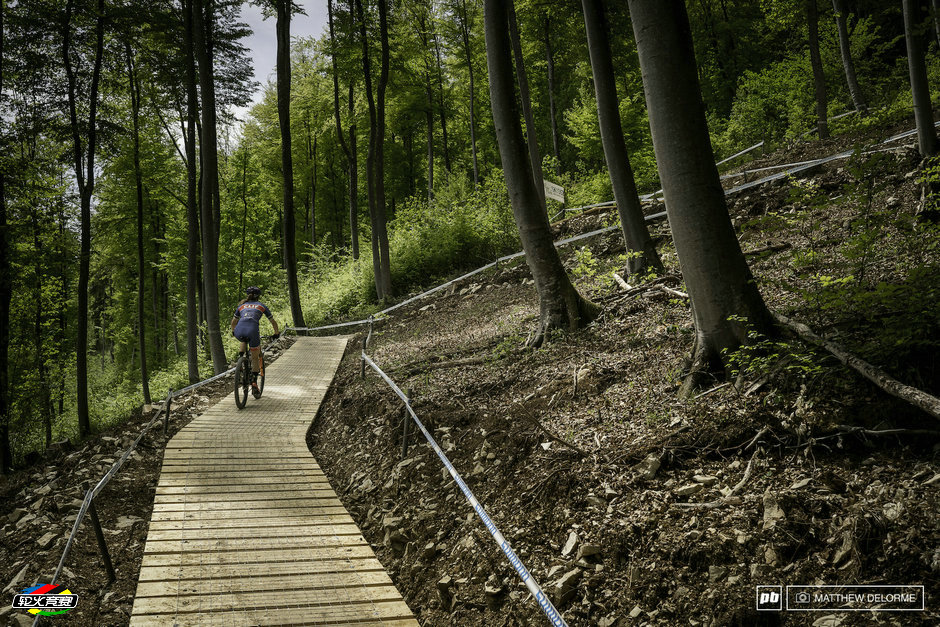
(801, 598)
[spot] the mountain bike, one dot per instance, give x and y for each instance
(243, 376)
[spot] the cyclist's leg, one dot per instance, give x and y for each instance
(254, 345)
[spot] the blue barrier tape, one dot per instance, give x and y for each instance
(544, 603)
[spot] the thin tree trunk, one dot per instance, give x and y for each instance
(134, 89)
(720, 285)
(465, 37)
(203, 27)
(349, 151)
(381, 224)
(192, 189)
(935, 14)
(641, 251)
(535, 157)
(86, 186)
(819, 78)
(45, 398)
(6, 293)
(241, 254)
(848, 66)
(923, 112)
(560, 304)
(289, 225)
(440, 99)
(552, 113)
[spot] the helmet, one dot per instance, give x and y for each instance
(253, 291)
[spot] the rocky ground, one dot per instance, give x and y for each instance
(631, 506)
(38, 507)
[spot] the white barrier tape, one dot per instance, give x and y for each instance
(544, 603)
(743, 152)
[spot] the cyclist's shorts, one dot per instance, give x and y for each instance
(248, 333)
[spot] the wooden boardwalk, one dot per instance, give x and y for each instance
(245, 527)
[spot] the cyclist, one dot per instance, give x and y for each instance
(245, 323)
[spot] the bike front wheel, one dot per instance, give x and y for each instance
(242, 381)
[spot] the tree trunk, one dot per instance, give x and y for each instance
(134, 89)
(535, 157)
(440, 99)
(45, 397)
(380, 225)
(560, 304)
(720, 284)
(241, 254)
(465, 37)
(6, 293)
(641, 251)
(85, 181)
(192, 206)
(203, 27)
(858, 101)
(289, 228)
(935, 14)
(552, 113)
(819, 78)
(923, 112)
(349, 151)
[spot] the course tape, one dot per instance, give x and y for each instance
(544, 603)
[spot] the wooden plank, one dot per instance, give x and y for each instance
(241, 571)
(265, 583)
(385, 613)
(261, 522)
(213, 545)
(291, 531)
(271, 504)
(245, 514)
(328, 553)
(259, 600)
(214, 495)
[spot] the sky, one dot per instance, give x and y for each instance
(262, 44)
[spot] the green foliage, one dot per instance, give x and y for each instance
(762, 357)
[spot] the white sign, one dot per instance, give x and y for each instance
(553, 191)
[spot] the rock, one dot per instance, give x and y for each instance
(690, 489)
(390, 522)
(444, 585)
(44, 490)
(596, 501)
(830, 620)
(761, 571)
(19, 512)
(554, 570)
(734, 579)
(695, 535)
(127, 521)
(567, 585)
(715, 573)
(892, 511)
(771, 557)
(635, 612)
(772, 511)
(570, 544)
(25, 520)
(17, 581)
(802, 483)
(71, 506)
(588, 550)
(428, 552)
(47, 540)
(647, 468)
(706, 480)
(493, 590)
(22, 620)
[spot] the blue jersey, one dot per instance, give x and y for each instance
(250, 312)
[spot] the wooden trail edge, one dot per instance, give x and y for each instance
(245, 528)
(914, 396)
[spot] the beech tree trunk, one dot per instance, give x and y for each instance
(6, 292)
(560, 304)
(440, 100)
(192, 203)
(380, 225)
(535, 158)
(923, 112)
(465, 22)
(203, 16)
(720, 285)
(552, 113)
(84, 164)
(819, 78)
(134, 88)
(848, 66)
(289, 223)
(641, 251)
(349, 150)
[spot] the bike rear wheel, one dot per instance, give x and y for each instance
(242, 381)
(261, 375)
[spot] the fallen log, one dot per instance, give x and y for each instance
(768, 248)
(914, 396)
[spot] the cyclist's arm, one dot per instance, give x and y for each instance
(234, 322)
(274, 324)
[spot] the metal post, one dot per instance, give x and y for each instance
(404, 428)
(166, 411)
(362, 361)
(102, 545)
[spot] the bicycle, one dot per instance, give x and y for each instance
(243, 376)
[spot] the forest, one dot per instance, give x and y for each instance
(136, 208)
(662, 278)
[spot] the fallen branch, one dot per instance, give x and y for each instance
(714, 389)
(726, 499)
(670, 291)
(527, 414)
(914, 396)
(862, 431)
(623, 284)
(768, 248)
